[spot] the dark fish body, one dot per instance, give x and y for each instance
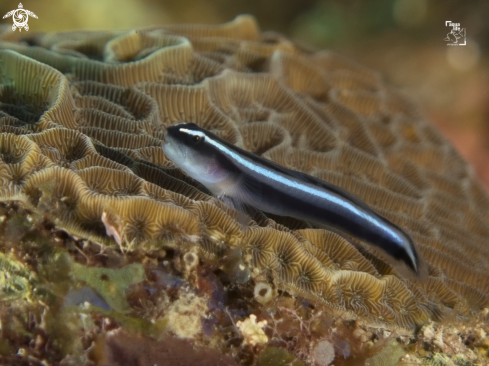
(227, 170)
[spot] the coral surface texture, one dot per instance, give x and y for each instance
(110, 255)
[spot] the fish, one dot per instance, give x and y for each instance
(229, 171)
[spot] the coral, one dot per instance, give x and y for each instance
(323, 353)
(453, 339)
(252, 331)
(263, 292)
(184, 316)
(88, 191)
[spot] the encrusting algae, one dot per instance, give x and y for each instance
(110, 255)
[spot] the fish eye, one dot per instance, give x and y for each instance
(196, 138)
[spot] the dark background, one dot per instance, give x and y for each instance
(403, 39)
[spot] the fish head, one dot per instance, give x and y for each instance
(194, 151)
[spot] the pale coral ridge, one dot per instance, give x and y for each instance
(83, 116)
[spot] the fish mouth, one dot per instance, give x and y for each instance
(174, 150)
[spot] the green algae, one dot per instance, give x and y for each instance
(15, 279)
(110, 283)
(389, 356)
(442, 359)
(276, 356)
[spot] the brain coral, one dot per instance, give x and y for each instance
(82, 120)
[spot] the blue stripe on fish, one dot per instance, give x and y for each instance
(227, 170)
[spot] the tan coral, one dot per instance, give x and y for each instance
(62, 146)
(252, 331)
(110, 107)
(82, 121)
(111, 182)
(20, 158)
(34, 92)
